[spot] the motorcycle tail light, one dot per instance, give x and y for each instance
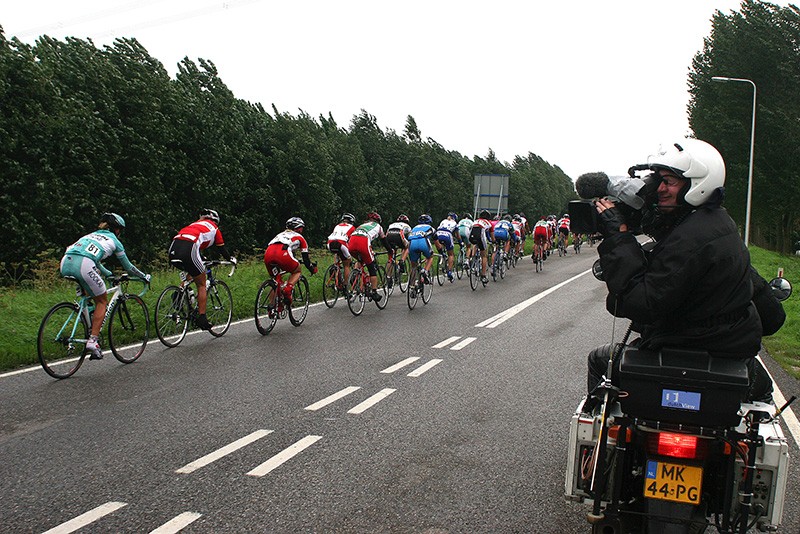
(677, 445)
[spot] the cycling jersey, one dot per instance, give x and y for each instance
(341, 232)
(205, 232)
(464, 228)
(563, 225)
(95, 247)
(444, 234)
(397, 235)
(419, 242)
(541, 232)
(280, 251)
(370, 229)
(503, 230)
(518, 231)
(361, 240)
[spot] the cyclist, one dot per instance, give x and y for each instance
(552, 224)
(464, 228)
(184, 253)
(446, 233)
(337, 241)
(563, 231)
(482, 231)
(519, 235)
(397, 238)
(503, 231)
(541, 239)
(82, 261)
(360, 245)
(419, 243)
(279, 256)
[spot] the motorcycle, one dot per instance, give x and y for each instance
(675, 448)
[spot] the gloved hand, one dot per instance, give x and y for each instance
(612, 221)
(314, 268)
(233, 260)
(147, 278)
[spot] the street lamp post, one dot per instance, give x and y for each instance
(752, 143)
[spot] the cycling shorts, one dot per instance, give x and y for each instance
(564, 231)
(478, 237)
(277, 258)
(395, 239)
(185, 255)
(464, 233)
(85, 271)
(361, 248)
(540, 233)
(500, 234)
(516, 236)
(446, 239)
(417, 247)
(339, 248)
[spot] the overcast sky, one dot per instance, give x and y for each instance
(587, 85)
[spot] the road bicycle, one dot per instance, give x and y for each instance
(176, 308)
(538, 257)
(61, 342)
(395, 275)
(333, 284)
(271, 304)
(359, 288)
(474, 270)
(576, 243)
(499, 263)
(418, 288)
(562, 246)
(461, 265)
(440, 267)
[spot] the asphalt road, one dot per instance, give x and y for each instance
(434, 420)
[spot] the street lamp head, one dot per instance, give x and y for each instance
(720, 79)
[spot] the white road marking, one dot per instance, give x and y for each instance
(332, 398)
(417, 372)
(400, 365)
(89, 517)
(446, 342)
(284, 456)
(372, 401)
(223, 451)
(788, 415)
(503, 316)
(177, 523)
(463, 343)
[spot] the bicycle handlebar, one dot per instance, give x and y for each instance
(125, 278)
(214, 263)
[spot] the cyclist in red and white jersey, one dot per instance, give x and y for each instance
(184, 253)
(337, 241)
(360, 245)
(563, 230)
(541, 239)
(482, 232)
(519, 232)
(279, 255)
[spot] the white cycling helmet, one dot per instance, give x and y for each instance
(695, 160)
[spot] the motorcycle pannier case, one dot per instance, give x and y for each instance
(683, 387)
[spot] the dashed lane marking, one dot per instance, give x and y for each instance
(223, 451)
(284, 456)
(372, 401)
(332, 398)
(177, 523)
(446, 342)
(85, 519)
(463, 343)
(400, 365)
(421, 369)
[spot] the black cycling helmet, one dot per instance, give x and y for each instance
(349, 217)
(114, 221)
(207, 213)
(485, 214)
(425, 219)
(402, 218)
(468, 216)
(374, 216)
(294, 223)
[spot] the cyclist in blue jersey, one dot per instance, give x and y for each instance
(503, 232)
(82, 261)
(446, 234)
(419, 243)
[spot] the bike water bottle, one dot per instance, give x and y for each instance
(192, 298)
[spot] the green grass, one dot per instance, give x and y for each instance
(23, 309)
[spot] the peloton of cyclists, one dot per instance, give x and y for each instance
(446, 234)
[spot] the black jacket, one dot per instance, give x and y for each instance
(692, 290)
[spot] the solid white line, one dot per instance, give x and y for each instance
(332, 398)
(788, 415)
(446, 342)
(177, 523)
(223, 451)
(84, 519)
(417, 372)
(400, 365)
(503, 316)
(461, 344)
(370, 402)
(283, 456)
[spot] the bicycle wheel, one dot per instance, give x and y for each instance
(502, 268)
(427, 292)
(172, 316)
(300, 298)
(61, 342)
(412, 294)
(382, 291)
(128, 328)
(440, 269)
(330, 286)
(357, 298)
(402, 276)
(393, 280)
(219, 308)
(459, 266)
(266, 318)
(474, 277)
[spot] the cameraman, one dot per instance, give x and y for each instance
(693, 288)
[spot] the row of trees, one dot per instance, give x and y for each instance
(84, 130)
(761, 42)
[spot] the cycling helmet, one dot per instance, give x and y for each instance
(506, 217)
(294, 223)
(207, 213)
(113, 220)
(425, 219)
(695, 160)
(402, 218)
(349, 217)
(566, 216)
(468, 216)
(453, 215)
(374, 216)
(485, 214)
(517, 218)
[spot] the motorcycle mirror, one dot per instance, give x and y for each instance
(597, 270)
(781, 288)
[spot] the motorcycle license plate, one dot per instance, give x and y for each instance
(673, 482)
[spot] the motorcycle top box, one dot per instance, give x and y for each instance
(682, 387)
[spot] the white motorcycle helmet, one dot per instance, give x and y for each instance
(695, 160)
